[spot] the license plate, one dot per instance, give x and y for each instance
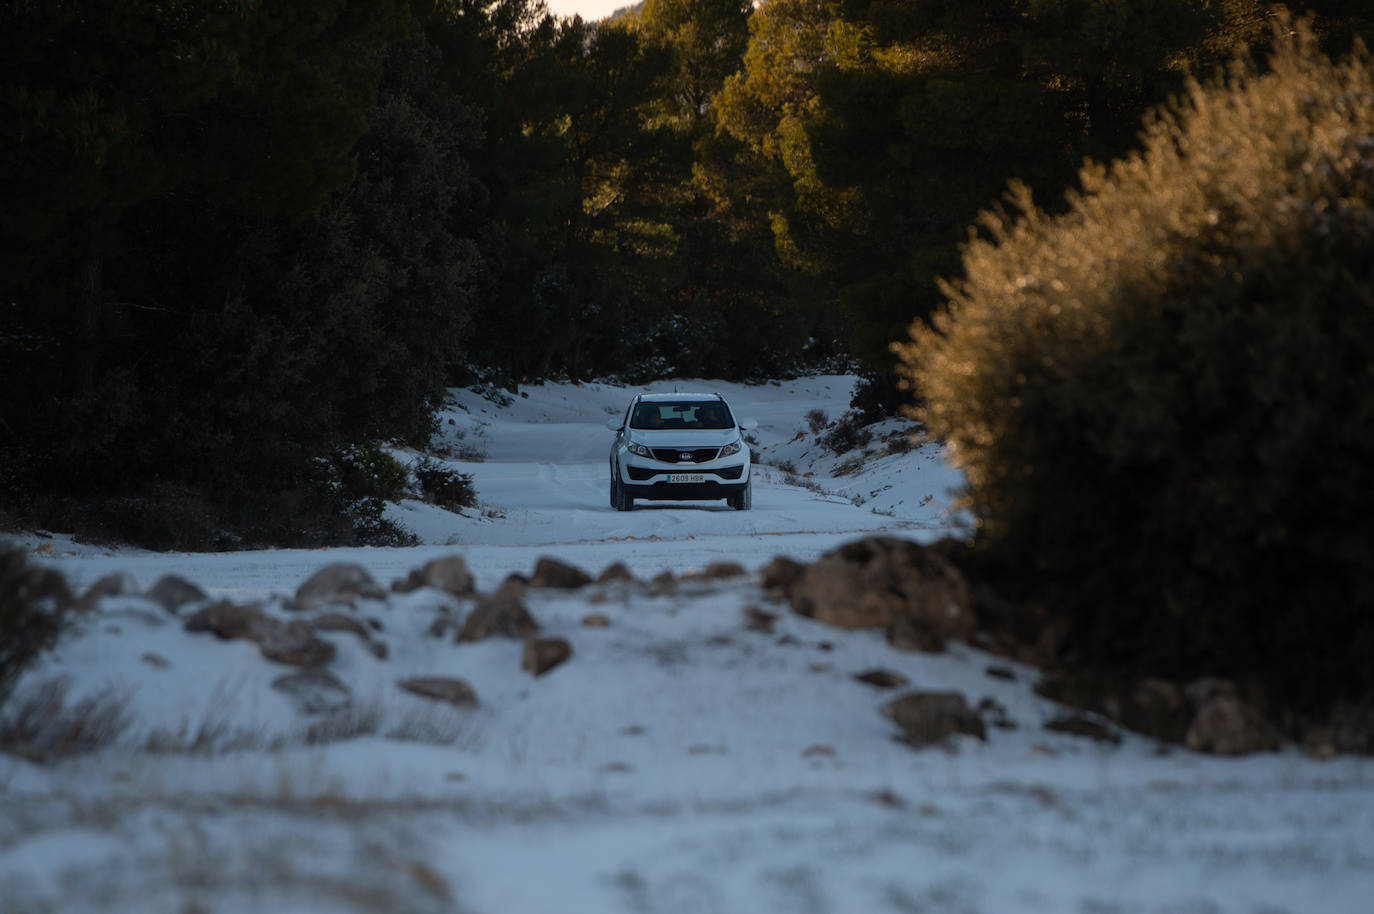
(686, 477)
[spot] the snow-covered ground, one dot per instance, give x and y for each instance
(683, 760)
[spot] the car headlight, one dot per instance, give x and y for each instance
(731, 449)
(639, 449)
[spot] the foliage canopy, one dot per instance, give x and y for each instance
(1163, 398)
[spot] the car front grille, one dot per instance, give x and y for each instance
(686, 454)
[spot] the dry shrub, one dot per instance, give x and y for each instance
(39, 723)
(1163, 400)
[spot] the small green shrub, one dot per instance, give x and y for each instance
(442, 486)
(1163, 400)
(33, 605)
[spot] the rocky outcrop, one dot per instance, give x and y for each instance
(338, 583)
(1209, 715)
(543, 654)
(926, 718)
(882, 582)
(449, 573)
(502, 614)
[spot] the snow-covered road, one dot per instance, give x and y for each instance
(539, 462)
(685, 760)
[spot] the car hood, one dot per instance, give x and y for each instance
(677, 437)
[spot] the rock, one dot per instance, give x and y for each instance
(225, 620)
(758, 620)
(449, 573)
(500, 614)
(1224, 724)
(441, 627)
(716, 571)
(663, 584)
(875, 582)
(172, 592)
(549, 572)
(1082, 725)
(314, 691)
(543, 654)
(820, 749)
(930, 717)
(338, 622)
(907, 633)
(596, 620)
(454, 691)
(779, 575)
(283, 642)
(115, 584)
(883, 679)
(339, 582)
(157, 661)
(616, 571)
(293, 643)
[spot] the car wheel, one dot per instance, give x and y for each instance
(621, 500)
(744, 500)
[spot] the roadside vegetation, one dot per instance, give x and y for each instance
(227, 266)
(1161, 397)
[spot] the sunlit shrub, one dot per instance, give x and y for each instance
(1163, 400)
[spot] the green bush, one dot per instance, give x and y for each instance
(1163, 399)
(442, 486)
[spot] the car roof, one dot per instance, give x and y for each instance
(686, 395)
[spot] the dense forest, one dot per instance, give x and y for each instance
(246, 243)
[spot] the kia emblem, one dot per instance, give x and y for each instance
(685, 455)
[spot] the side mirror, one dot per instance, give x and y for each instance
(613, 424)
(748, 425)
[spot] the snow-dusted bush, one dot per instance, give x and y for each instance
(1163, 399)
(442, 486)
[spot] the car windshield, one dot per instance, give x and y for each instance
(685, 414)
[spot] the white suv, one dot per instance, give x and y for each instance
(680, 447)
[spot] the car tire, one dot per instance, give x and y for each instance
(621, 499)
(745, 499)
